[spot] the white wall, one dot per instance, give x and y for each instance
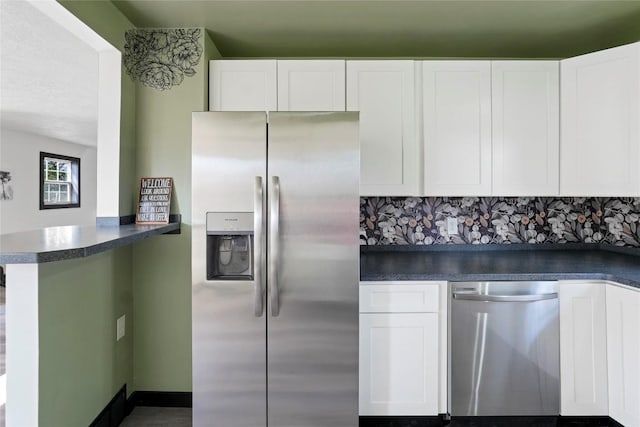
(20, 155)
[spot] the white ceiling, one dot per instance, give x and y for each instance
(48, 77)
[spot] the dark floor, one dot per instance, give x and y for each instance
(488, 422)
(181, 417)
(146, 416)
(532, 422)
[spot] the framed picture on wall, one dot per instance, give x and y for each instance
(6, 192)
(59, 181)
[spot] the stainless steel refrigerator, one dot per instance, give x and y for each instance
(275, 269)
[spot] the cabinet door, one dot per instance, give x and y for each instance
(457, 127)
(383, 92)
(600, 113)
(623, 353)
(242, 85)
(583, 355)
(399, 364)
(311, 85)
(525, 99)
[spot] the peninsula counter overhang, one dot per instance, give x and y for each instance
(61, 243)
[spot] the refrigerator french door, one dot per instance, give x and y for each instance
(275, 269)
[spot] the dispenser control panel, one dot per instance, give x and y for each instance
(229, 223)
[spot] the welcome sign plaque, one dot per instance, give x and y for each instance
(154, 201)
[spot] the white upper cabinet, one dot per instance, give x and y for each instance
(384, 93)
(242, 85)
(623, 354)
(466, 127)
(311, 85)
(525, 99)
(270, 85)
(600, 113)
(457, 127)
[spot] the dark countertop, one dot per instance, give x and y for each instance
(68, 242)
(474, 265)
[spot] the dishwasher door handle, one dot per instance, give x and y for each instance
(504, 298)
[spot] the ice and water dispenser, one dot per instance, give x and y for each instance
(229, 245)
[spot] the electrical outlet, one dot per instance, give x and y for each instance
(452, 226)
(120, 327)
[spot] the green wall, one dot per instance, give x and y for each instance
(156, 141)
(106, 20)
(81, 364)
(162, 267)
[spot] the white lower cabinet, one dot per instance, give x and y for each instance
(398, 363)
(401, 359)
(623, 354)
(600, 350)
(583, 349)
(403, 349)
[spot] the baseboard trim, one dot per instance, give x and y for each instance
(505, 421)
(167, 399)
(587, 421)
(115, 411)
(402, 421)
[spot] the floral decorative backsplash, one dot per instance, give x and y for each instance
(499, 220)
(159, 58)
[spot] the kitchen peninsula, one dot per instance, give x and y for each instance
(66, 269)
(68, 242)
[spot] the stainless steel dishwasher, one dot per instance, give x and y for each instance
(504, 356)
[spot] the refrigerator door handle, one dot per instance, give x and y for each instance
(258, 225)
(274, 235)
